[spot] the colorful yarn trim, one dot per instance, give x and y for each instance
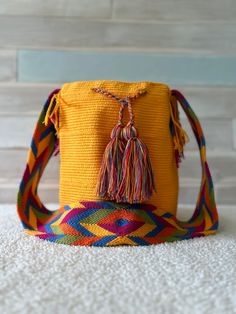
(109, 174)
(106, 223)
(137, 182)
(126, 173)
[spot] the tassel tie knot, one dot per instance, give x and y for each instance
(129, 132)
(126, 173)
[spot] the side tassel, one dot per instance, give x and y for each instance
(179, 135)
(52, 115)
(137, 178)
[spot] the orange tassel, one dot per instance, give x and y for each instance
(52, 114)
(179, 135)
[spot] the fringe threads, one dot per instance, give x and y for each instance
(126, 173)
(52, 114)
(179, 135)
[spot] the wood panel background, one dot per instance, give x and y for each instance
(188, 44)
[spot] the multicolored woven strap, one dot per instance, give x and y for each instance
(103, 223)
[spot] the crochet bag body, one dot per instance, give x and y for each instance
(120, 146)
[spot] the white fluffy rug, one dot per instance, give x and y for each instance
(191, 276)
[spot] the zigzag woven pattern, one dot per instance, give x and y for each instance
(104, 223)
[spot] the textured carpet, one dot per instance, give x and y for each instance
(191, 276)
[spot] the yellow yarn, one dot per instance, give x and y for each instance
(52, 112)
(181, 137)
(86, 120)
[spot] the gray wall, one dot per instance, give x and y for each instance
(189, 44)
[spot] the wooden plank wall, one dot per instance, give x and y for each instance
(188, 44)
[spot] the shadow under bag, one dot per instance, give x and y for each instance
(120, 147)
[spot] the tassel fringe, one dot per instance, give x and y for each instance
(52, 115)
(126, 173)
(108, 179)
(179, 135)
(137, 178)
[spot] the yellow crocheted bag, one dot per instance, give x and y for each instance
(120, 146)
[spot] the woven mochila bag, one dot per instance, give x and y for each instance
(120, 145)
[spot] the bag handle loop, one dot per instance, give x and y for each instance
(43, 144)
(206, 197)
